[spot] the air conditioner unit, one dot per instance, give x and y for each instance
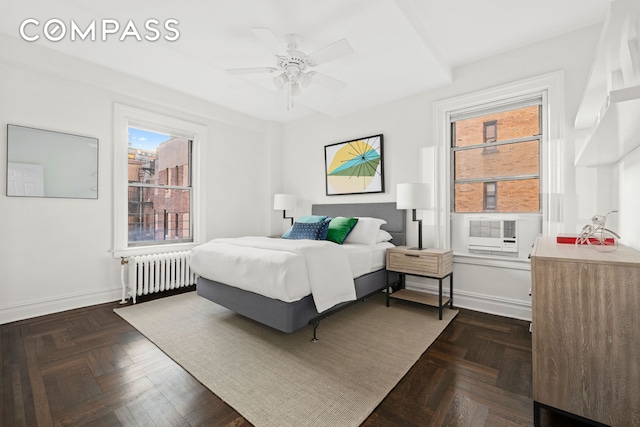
(495, 235)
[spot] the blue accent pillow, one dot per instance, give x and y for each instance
(325, 231)
(310, 231)
(311, 218)
(307, 219)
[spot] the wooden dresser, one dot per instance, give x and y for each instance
(586, 331)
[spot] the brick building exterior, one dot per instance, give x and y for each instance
(157, 214)
(493, 162)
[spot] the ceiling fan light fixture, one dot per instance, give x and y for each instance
(292, 71)
(280, 80)
(305, 79)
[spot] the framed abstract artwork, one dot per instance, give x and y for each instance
(354, 167)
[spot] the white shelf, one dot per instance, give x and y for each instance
(617, 131)
(614, 82)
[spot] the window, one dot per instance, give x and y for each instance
(157, 196)
(512, 169)
(451, 228)
(490, 196)
(490, 134)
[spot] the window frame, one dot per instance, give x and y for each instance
(551, 155)
(169, 186)
(125, 117)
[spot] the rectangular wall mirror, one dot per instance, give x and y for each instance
(42, 163)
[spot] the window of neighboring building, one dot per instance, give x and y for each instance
(513, 168)
(490, 134)
(157, 199)
(490, 196)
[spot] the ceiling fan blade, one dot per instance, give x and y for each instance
(330, 52)
(327, 82)
(251, 70)
(270, 40)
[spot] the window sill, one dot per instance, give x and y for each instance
(153, 249)
(514, 263)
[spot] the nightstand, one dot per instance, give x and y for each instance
(429, 263)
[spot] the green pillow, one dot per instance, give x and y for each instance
(339, 228)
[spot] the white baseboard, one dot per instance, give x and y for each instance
(57, 304)
(515, 309)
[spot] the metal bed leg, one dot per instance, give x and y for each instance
(440, 299)
(451, 290)
(388, 289)
(315, 327)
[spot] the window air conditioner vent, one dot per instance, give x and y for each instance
(493, 235)
(509, 228)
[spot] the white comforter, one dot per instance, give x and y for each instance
(283, 269)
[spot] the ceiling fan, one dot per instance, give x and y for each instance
(294, 67)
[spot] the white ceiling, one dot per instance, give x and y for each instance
(401, 47)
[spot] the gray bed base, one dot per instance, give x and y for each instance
(285, 316)
(291, 316)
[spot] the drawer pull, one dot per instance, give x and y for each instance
(412, 255)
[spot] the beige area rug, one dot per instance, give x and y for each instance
(278, 379)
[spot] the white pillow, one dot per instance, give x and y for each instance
(383, 236)
(366, 231)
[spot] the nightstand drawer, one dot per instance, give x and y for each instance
(427, 262)
(413, 263)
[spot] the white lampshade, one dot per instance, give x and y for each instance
(284, 202)
(413, 196)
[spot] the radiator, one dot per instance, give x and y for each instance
(148, 274)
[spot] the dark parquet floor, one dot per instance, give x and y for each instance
(88, 367)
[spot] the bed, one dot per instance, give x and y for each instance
(291, 316)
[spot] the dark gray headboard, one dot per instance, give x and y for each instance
(388, 211)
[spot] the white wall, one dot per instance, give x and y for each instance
(54, 253)
(408, 126)
(606, 188)
(627, 200)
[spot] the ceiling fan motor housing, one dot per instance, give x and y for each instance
(293, 68)
(295, 59)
